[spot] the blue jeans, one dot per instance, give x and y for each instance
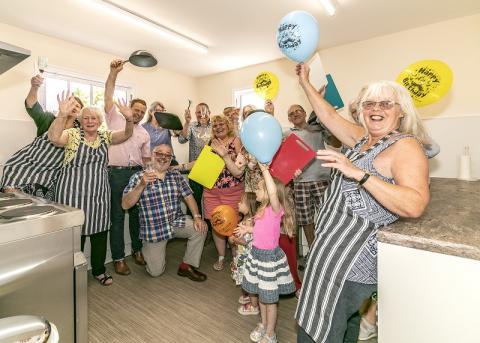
(118, 179)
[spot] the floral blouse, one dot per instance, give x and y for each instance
(226, 179)
(73, 142)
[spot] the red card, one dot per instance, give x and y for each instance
(293, 154)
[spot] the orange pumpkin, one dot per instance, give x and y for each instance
(224, 220)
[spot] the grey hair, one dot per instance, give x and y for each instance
(411, 121)
(95, 110)
(151, 110)
(253, 107)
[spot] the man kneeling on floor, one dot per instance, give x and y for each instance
(158, 192)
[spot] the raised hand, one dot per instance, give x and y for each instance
(263, 166)
(124, 109)
(303, 72)
(66, 104)
(147, 177)
(36, 81)
(188, 116)
(116, 66)
(269, 107)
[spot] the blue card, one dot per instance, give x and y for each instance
(331, 94)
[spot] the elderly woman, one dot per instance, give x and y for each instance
(382, 176)
(33, 168)
(83, 179)
(228, 188)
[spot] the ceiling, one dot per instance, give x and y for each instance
(237, 33)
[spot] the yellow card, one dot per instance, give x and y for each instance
(207, 168)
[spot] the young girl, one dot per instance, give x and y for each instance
(247, 207)
(266, 271)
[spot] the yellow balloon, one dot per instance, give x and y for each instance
(426, 81)
(266, 85)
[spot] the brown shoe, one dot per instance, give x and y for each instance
(192, 273)
(138, 257)
(121, 267)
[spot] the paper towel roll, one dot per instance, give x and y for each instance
(465, 169)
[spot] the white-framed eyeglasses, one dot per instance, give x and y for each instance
(383, 105)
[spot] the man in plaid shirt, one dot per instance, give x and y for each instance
(158, 192)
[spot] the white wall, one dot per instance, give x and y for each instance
(151, 84)
(352, 65)
(426, 297)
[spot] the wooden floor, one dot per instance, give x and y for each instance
(138, 308)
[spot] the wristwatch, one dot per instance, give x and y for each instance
(197, 216)
(363, 180)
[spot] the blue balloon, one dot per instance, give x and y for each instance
(297, 35)
(261, 135)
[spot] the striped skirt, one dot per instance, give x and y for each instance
(267, 274)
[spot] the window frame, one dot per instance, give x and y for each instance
(69, 77)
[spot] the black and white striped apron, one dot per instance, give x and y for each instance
(34, 168)
(83, 183)
(341, 235)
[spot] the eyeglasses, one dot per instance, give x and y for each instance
(163, 156)
(383, 105)
(298, 110)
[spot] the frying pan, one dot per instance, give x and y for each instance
(142, 58)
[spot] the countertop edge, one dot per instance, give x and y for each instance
(427, 244)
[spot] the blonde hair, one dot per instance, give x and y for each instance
(250, 200)
(94, 110)
(286, 201)
(221, 117)
(411, 122)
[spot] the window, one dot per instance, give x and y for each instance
(247, 96)
(91, 92)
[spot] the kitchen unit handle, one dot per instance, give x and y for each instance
(22, 328)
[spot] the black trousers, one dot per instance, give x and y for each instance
(98, 251)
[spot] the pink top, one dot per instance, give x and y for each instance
(266, 231)
(130, 152)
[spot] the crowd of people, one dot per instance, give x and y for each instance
(339, 201)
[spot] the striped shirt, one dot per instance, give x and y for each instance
(160, 205)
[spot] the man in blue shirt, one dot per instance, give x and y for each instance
(158, 192)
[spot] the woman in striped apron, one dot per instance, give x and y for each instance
(382, 175)
(83, 179)
(33, 169)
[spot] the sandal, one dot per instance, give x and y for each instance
(244, 299)
(219, 265)
(104, 279)
(269, 339)
(248, 309)
(257, 334)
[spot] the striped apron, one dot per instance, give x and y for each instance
(33, 168)
(341, 236)
(83, 183)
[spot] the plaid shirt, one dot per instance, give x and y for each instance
(159, 205)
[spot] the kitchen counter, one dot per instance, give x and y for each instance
(450, 225)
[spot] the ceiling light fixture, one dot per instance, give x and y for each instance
(147, 23)
(329, 6)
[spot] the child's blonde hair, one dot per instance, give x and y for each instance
(250, 199)
(288, 219)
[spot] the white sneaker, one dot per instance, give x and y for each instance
(367, 330)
